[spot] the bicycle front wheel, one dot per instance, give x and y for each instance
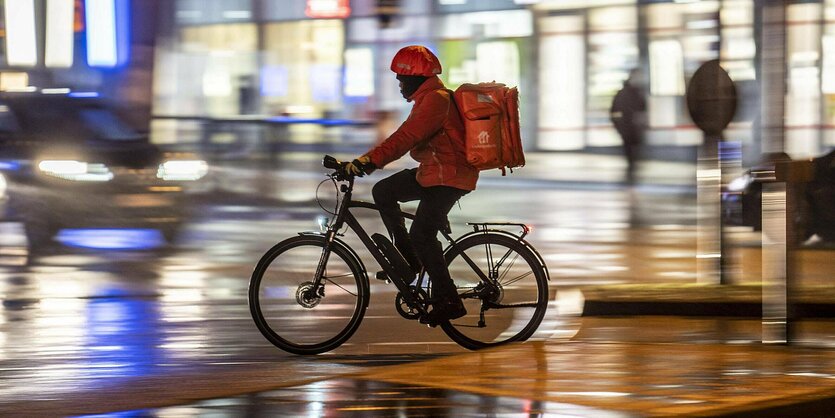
(291, 311)
(504, 287)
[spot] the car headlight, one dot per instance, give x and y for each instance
(75, 170)
(182, 170)
(740, 183)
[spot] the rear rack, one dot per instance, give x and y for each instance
(486, 226)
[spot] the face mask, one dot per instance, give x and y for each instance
(409, 84)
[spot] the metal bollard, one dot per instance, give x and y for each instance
(778, 242)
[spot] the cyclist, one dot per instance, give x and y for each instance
(433, 134)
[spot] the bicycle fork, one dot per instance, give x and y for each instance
(317, 290)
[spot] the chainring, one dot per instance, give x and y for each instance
(403, 308)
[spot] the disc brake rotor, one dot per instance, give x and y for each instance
(306, 295)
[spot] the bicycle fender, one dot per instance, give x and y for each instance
(338, 242)
(508, 234)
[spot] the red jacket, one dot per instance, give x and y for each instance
(433, 134)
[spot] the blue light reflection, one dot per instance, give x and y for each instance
(9, 165)
(112, 238)
(124, 414)
(83, 94)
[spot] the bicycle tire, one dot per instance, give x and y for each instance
(289, 321)
(532, 294)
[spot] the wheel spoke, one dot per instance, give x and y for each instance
(337, 284)
(504, 257)
(520, 277)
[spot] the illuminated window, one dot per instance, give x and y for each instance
(666, 68)
(612, 54)
(499, 61)
(359, 72)
(562, 85)
(60, 15)
(274, 81)
(828, 82)
(21, 38)
(323, 9)
(325, 82)
(312, 52)
(14, 81)
(106, 32)
(803, 101)
(828, 68)
(498, 24)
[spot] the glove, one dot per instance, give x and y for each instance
(360, 166)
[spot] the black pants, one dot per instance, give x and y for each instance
(420, 246)
(632, 151)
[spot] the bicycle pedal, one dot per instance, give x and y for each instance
(383, 277)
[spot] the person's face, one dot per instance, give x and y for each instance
(400, 85)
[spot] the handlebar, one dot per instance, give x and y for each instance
(332, 163)
(339, 168)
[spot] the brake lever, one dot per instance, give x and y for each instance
(342, 175)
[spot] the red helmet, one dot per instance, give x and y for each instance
(415, 60)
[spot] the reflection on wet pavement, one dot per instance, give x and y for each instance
(361, 398)
(635, 367)
(646, 379)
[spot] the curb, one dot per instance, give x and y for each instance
(730, 309)
(701, 300)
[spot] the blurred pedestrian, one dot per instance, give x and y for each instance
(628, 115)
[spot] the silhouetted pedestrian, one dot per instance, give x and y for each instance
(628, 115)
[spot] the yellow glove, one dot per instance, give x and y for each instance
(359, 166)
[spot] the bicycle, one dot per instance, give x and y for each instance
(309, 293)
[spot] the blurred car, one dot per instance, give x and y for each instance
(70, 162)
(815, 205)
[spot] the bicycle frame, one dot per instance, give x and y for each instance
(343, 217)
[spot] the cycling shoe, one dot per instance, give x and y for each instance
(444, 310)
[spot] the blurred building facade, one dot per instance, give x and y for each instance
(101, 47)
(329, 59)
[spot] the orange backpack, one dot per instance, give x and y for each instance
(490, 112)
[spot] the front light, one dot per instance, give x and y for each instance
(323, 223)
(75, 170)
(182, 170)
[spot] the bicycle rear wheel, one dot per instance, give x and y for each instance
(293, 314)
(504, 287)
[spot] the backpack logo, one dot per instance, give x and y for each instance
(483, 137)
(483, 98)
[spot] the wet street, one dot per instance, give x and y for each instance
(91, 331)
